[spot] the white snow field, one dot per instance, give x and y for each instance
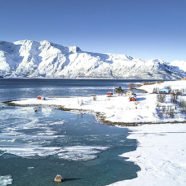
(161, 155)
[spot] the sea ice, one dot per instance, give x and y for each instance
(5, 180)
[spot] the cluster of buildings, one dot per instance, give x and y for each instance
(119, 91)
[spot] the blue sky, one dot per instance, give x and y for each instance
(140, 28)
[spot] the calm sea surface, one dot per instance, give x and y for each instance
(34, 147)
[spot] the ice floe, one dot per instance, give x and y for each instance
(5, 180)
(75, 153)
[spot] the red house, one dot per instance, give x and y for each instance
(132, 98)
(109, 94)
(41, 98)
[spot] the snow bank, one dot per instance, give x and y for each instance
(161, 155)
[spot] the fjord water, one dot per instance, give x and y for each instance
(34, 147)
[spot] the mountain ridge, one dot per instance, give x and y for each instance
(44, 59)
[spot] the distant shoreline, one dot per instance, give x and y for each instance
(89, 79)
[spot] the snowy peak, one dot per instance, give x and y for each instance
(27, 58)
(180, 64)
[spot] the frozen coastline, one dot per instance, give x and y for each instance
(161, 150)
(118, 109)
(161, 155)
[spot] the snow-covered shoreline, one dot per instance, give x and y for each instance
(114, 110)
(161, 155)
(118, 109)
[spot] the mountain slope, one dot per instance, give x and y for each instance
(180, 64)
(28, 58)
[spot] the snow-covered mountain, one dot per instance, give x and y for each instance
(34, 59)
(180, 64)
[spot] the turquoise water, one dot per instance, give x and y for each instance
(34, 147)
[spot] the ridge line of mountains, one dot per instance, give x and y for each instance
(44, 59)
